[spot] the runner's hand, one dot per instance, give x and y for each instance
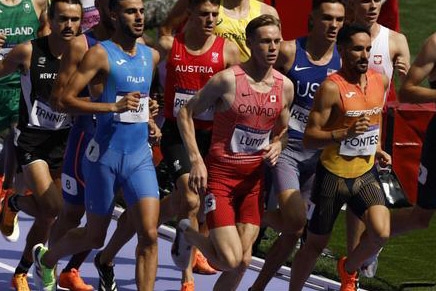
(198, 178)
(272, 152)
(128, 102)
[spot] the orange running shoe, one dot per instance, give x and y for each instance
(19, 282)
(200, 265)
(188, 286)
(71, 280)
(349, 282)
(9, 219)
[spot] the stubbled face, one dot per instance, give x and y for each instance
(265, 44)
(66, 20)
(366, 12)
(327, 20)
(204, 17)
(355, 54)
(130, 16)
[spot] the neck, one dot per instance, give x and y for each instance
(355, 78)
(125, 43)
(56, 45)
(374, 29)
(257, 72)
(319, 50)
(196, 41)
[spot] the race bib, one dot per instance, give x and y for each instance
(140, 115)
(209, 203)
(362, 145)
(298, 118)
(248, 140)
(180, 100)
(92, 151)
(44, 116)
(69, 184)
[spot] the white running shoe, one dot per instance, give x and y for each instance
(181, 249)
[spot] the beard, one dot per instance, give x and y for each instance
(129, 31)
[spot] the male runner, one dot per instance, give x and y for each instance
(345, 121)
(251, 103)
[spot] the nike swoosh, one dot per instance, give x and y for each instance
(120, 62)
(219, 21)
(297, 68)
(245, 94)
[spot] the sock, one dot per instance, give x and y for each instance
(76, 261)
(23, 266)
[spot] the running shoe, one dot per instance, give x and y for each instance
(71, 280)
(188, 286)
(19, 282)
(349, 282)
(43, 276)
(8, 218)
(181, 249)
(106, 275)
(200, 265)
(369, 267)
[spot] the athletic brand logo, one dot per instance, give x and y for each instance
(350, 94)
(378, 59)
(297, 68)
(120, 62)
(219, 21)
(246, 94)
(177, 165)
(41, 62)
(177, 57)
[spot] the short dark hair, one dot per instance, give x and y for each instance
(262, 20)
(317, 3)
(195, 3)
(348, 30)
(51, 8)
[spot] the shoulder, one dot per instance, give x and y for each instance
(328, 86)
(40, 5)
(430, 42)
(97, 51)
(288, 87)
(398, 41)
(24, 49)
(230, 48)
(268, 9)
(223, 80)
(286, 56)
(78, 44)
(155, 55)
(288, 47)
